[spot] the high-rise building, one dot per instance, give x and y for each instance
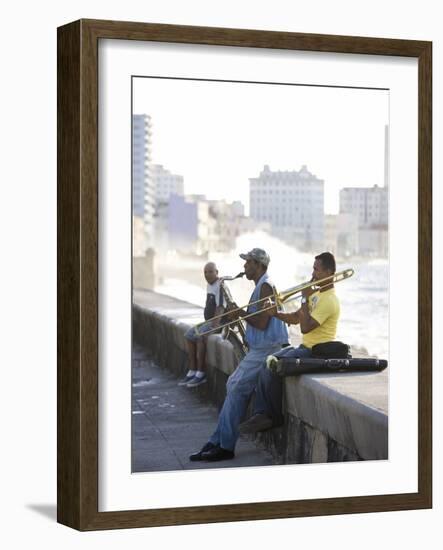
(165, 183)
(143, 197)
(292, 203)
(369, 204)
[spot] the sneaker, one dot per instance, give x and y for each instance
(197, 381)
(257, 423)
(186, 379)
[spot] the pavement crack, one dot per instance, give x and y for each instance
(171, 449)
(162, 435)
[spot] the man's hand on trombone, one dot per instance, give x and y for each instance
(310, 290)
(258, 319)
(270, 306)
(234, 312)
(289, 318)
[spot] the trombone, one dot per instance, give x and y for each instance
(277, 300)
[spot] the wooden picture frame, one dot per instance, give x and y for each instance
(77, 454)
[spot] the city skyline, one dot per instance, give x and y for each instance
(288, 206)
(339, 134)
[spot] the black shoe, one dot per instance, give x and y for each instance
(198, 456)
(217, 453)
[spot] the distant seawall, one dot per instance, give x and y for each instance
(328, 417)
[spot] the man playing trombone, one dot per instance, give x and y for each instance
(265, 335)
(318, 318)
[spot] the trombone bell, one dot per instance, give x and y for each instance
(290, 293)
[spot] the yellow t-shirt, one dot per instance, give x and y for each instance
(324, 307)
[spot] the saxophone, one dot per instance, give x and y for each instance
(234, 332)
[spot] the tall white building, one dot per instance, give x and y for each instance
(292, 203)
(165, 183)
(370, 207)
(369, 204)
(143, 192)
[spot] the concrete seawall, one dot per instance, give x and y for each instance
(328, 417)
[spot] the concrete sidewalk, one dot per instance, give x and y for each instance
(169, 422)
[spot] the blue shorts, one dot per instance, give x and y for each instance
(192, 336)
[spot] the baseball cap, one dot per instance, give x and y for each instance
(257, 254)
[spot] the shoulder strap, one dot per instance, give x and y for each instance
(221, 301)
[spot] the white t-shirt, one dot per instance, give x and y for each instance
(213, 299)
(215, 290)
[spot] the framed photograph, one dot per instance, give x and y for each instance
(198, 167)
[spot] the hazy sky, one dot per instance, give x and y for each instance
(220, 134)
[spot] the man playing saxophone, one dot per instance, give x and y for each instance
(196, 344)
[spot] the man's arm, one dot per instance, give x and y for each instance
(302, 316)
(307, 323)
(260, 320)
(292, 318)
